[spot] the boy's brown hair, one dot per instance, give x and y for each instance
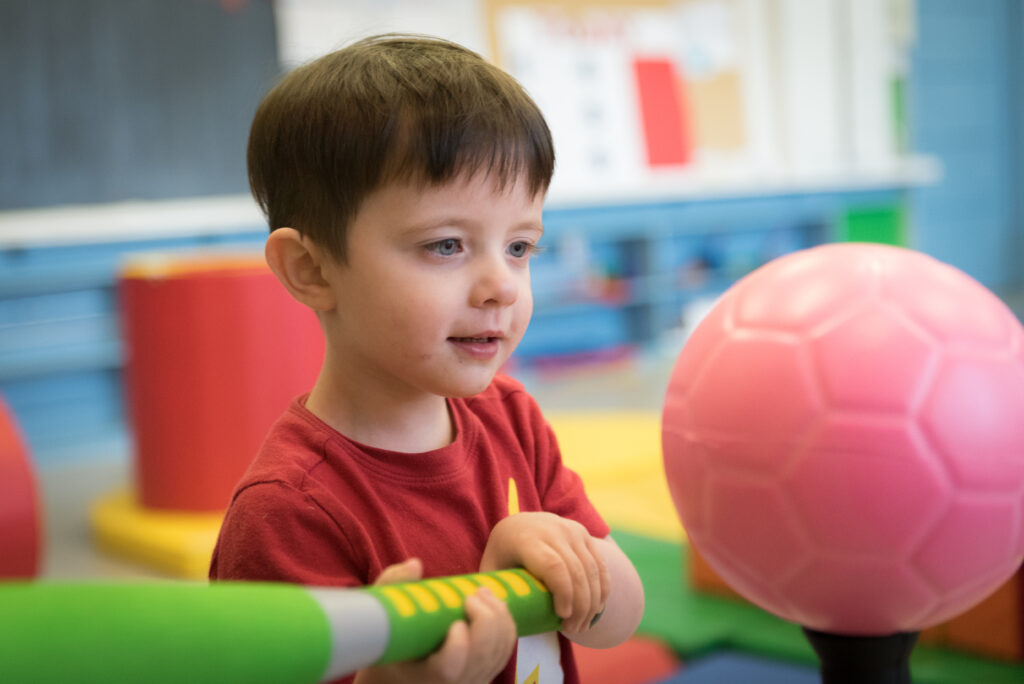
(387, 109)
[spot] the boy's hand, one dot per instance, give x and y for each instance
(472, 653)
(562, 554)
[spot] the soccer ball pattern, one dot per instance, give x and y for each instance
(843, 439)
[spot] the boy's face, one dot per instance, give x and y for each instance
(435, 292)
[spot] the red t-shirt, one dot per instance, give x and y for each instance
(317, 508)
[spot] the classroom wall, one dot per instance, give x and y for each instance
(965, 102)
(108, 100)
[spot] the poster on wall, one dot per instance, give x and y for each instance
(653, 98)
(631, 90)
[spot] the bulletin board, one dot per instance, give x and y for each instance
(571, 8)
(628, 86)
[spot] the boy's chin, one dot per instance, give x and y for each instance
(465, 394)
(467, 389)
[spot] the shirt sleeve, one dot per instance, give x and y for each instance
(273, 532)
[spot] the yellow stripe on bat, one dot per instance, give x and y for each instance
(426, 600)
(465, 587)
(449, 596)
(515, 581)
(400, 600)
(496, 587)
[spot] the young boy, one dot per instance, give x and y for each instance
(403, 179)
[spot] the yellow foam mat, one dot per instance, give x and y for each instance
(177, 543)
(618, 456)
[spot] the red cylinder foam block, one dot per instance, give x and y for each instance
(216, 349)
(20, 519)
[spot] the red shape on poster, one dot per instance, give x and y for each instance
(216, 351)
(668, 135)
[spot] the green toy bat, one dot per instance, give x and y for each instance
(239, 632)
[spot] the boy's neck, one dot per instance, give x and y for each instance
(409, 424)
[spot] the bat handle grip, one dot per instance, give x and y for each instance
(421, 612)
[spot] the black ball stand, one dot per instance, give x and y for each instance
(863, 659)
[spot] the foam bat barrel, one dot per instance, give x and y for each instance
(238, 631)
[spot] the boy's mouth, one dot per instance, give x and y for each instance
(483, 346)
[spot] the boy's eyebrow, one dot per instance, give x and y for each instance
(453, 221)
(537, 226)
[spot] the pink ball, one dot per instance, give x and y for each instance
(843, 439)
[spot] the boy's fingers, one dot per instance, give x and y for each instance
(450, 661)
(600, 580)
(606, 584)
(553, 569)
(492, 632)
(560, 581)
(589, 600)
(587, 596)
(484, 605)
(594, 568)
(605, 576)
(574, 595)
(590, 584)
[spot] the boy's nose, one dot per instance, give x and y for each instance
(495, 284)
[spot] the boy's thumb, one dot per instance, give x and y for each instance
(409, 570)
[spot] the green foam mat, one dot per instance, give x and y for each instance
(696, 624)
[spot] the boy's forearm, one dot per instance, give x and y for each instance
(625, 604)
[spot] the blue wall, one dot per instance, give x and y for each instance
(965, 94)
(1017, 85)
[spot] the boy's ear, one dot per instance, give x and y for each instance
(299, 264)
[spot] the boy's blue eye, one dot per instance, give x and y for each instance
(446, 247)
(521, 249)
